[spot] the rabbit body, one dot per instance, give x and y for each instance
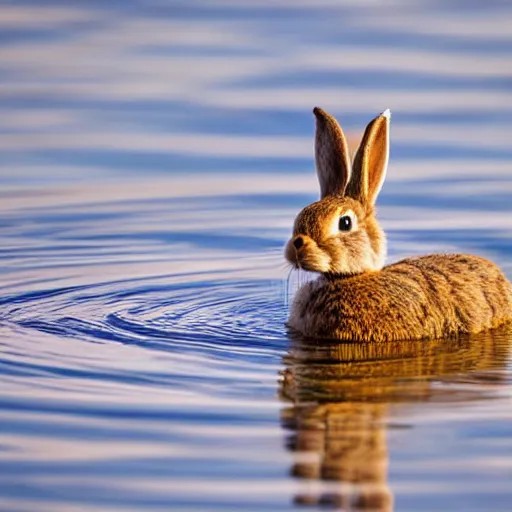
(356, 297)
(427, 297)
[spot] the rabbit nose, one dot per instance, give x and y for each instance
(298, 242)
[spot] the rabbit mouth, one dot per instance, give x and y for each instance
(319, 262)
(307, 256)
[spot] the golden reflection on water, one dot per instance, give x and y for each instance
(341, 396)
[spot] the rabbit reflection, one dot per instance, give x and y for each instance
(341, 396)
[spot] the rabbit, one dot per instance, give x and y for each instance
(356, 297)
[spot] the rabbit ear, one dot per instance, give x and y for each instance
(331, 155)
(371, 161)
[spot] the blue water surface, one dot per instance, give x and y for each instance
(154, 155)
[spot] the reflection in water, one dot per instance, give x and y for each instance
(342, 395)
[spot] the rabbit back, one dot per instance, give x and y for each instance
(426, 297)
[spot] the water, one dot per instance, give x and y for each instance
(154, 155)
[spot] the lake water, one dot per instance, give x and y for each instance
(153, 157)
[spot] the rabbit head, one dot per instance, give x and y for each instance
(339, 234)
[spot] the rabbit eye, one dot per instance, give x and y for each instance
(345, 223)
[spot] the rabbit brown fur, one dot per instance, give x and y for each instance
(357, 299)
